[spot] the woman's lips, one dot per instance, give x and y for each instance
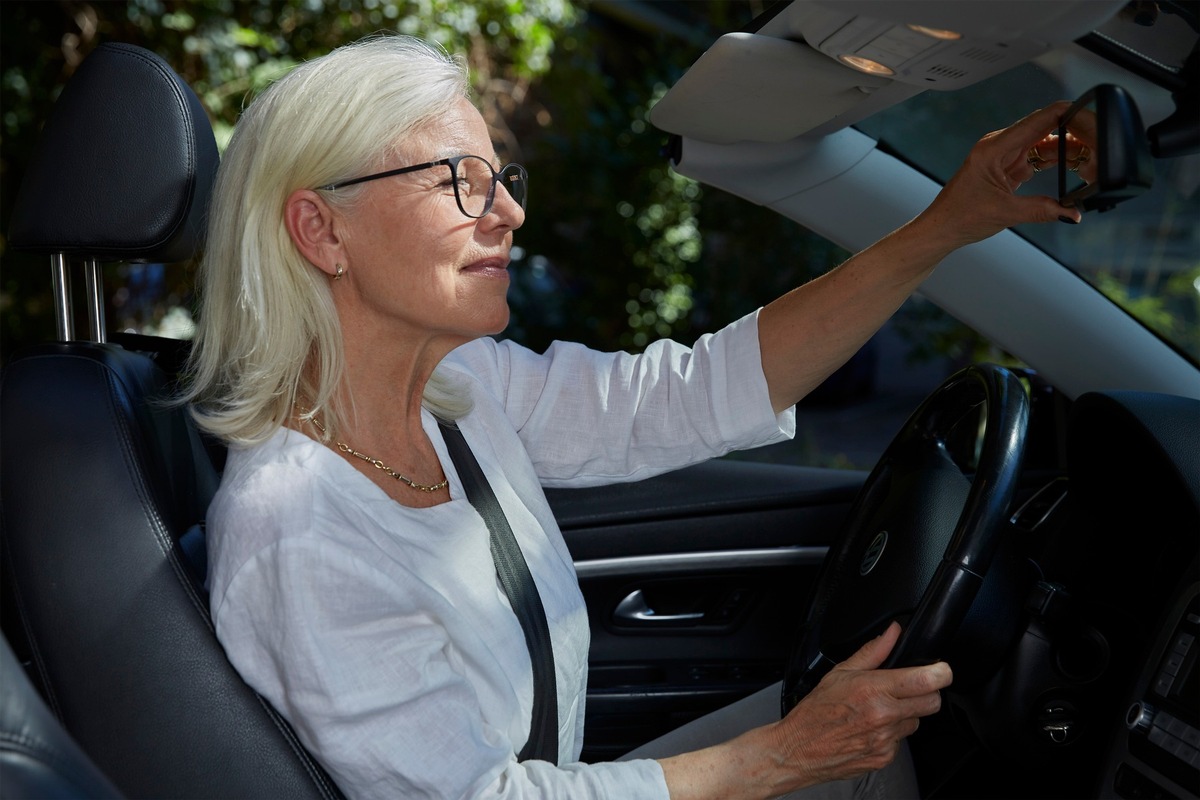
(489, 268)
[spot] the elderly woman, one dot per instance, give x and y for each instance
(356, 268)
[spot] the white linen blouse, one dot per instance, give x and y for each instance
(381, 633)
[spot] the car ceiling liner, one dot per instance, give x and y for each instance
(792, 77)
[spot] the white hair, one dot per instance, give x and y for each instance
(268, 339)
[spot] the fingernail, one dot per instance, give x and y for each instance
(1068, 220)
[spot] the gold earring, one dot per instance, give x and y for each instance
(337, 276)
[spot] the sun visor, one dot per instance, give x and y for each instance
(748, 87)
(816, 67)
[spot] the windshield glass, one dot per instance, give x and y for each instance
(1144, 254)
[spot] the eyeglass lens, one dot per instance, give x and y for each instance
(475, 184)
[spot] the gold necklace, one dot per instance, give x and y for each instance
(379, 465)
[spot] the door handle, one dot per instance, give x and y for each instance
(634, 610)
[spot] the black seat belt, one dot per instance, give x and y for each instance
(522, 593)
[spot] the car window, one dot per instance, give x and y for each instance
(848, 421)
(1144, 255)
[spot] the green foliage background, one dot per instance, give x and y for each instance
(617, 249)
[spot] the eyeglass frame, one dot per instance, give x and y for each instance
(452, 162)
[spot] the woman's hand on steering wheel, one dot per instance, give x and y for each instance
(856, 717)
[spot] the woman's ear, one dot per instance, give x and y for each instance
(310, 223)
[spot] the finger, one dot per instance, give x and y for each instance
(1022, 134)
(1024, 148)
(1083, 125)
(906, 728)
(1046, 151)
(1024, 165)
(913, 708)
(1041, 208)
(918, 681)
(872, 654)
(1077, 148)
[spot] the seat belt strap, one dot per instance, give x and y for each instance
(522, 593)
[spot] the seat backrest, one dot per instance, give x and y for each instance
(37, 757)
(101, 480)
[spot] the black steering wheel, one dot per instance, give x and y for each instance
(922, 532)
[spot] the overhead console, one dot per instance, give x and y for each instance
(815, 67)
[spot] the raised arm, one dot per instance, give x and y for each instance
(811, 331)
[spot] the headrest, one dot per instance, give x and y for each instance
(124, 168)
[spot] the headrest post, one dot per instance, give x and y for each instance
(61, 278)
(95, 299)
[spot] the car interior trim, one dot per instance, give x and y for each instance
(713, 560)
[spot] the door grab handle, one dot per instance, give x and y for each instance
(633, 609)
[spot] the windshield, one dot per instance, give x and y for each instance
(1144, 254)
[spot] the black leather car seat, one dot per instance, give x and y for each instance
(102, 484)
(37, 757)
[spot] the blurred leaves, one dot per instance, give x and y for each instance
(617, 249)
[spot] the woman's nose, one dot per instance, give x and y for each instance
(505, 210)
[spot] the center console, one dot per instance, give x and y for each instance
(1158, 755)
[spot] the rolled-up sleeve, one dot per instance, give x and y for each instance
(588, 418)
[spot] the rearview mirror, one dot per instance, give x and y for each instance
(1103, 155)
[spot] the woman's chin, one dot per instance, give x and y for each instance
(491, 324)
(501, 323)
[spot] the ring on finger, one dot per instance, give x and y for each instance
(1075, 163)
(1034, 159)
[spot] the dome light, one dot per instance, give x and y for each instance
(936, 33)
(867, 65)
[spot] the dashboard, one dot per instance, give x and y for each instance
(1158, 755)
(1135, 461)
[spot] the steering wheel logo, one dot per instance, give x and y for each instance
(871, 558)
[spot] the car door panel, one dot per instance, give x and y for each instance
(693, 580)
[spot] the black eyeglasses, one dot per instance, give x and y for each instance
(473, 178)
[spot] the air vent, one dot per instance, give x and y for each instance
(982, 55)
(942, 71)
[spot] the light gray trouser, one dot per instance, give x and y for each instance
(897, 781)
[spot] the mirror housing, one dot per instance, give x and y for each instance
(1106, 120)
